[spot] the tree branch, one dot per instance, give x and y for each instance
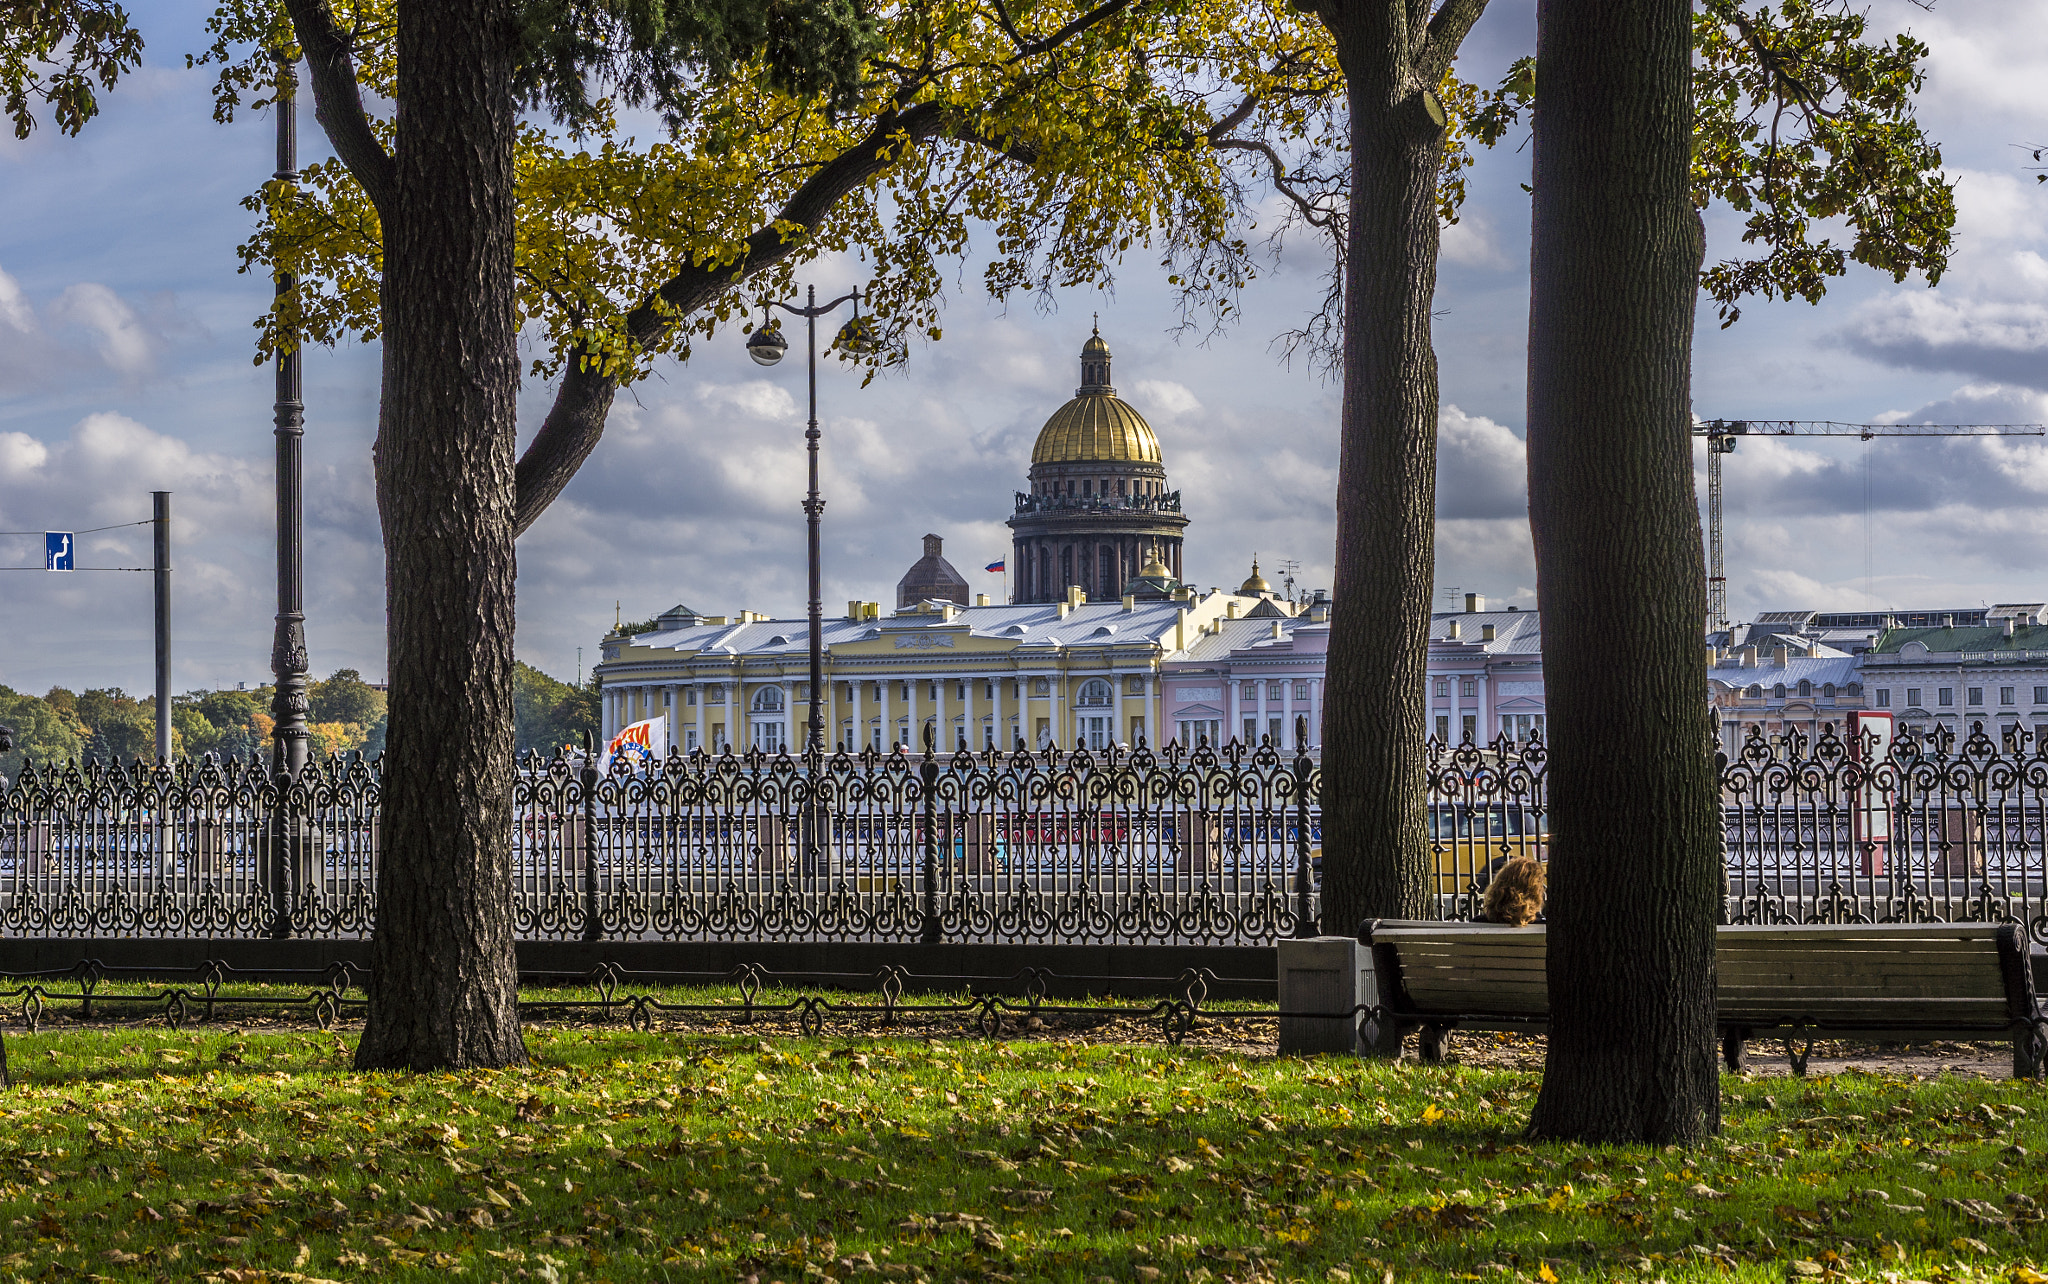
(1311, 214)
(1076, 27)
(1447, 30)
(338, 101)
(575, 423)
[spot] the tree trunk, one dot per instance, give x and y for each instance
(445, 972)
(1375, 835)
(1633, 871)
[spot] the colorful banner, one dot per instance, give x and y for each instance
(646, 740)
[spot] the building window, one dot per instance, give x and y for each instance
(2005, 695)
(1471, 722)
(1443, 688)
(1755, 692)
(960, 689)
(1884, 697)
(988, 734)
(1975, 695)
(1443, 728)
(2041, 695)
(1096, 692)
(1778, 691)
(1251, 731)
(768, 736)
(1805, 688)
(768, 700)
(1945, 696)
(1273, 693)
(1828, 691)
(1251, 693)
(1855, 690)
(1912, 697)
(988, 690)
(1301, 693)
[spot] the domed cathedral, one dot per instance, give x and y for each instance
(1098, 514)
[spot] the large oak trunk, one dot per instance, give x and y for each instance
(1375, 837)
(1633, 863)
(445, 973)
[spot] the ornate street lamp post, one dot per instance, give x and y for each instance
(288, 644)
(767, 346)
(290, 740)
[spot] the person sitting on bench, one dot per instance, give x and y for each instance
(1514, 897)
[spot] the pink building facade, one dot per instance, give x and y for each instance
(1246, 680)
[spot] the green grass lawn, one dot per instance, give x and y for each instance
(253, 1156)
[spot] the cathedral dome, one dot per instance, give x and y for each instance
(1096, 425)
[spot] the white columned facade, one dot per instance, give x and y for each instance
(1287, 713)
(1485, 708)
(1116, 705)
(1261, 729)
(1236, 727)
(700, 692)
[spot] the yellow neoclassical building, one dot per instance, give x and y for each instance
(983, 676)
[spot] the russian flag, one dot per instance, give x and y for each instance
(994, 566)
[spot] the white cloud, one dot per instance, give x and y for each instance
(1165, 397)
(757, 398)
(1482, 468)
(1470, 241)
(14, 309)
(124, 343)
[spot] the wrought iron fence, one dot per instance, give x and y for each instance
(1075, 846)
(1060, 846)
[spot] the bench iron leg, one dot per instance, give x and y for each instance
(1732, 1049)
(1435, 1039)
(2029, 1049)
(1798, 1052)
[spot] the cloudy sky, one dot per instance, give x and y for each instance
(125, 342)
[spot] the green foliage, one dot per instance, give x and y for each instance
(1078, 134)
(547, 715)
(53, 51)
(42, 731)
(656, 51)
(230, 725)
(345, 697)
(119, 728)
(678, 1155)
(1800, 120)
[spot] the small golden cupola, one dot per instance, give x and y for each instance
(1255, 584)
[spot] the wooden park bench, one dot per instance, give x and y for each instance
(1881, 982)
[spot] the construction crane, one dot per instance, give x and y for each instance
(1722, 434)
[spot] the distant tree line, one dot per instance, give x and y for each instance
(346, 714)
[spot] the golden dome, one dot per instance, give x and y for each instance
(1155, 569)
(1096, 425)
(1255, 585)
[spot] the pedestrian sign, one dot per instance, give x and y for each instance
(57, 550)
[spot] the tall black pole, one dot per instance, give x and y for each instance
(160, 511)
(813, 508)
(288, 645)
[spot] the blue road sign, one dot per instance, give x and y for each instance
(57, 547)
